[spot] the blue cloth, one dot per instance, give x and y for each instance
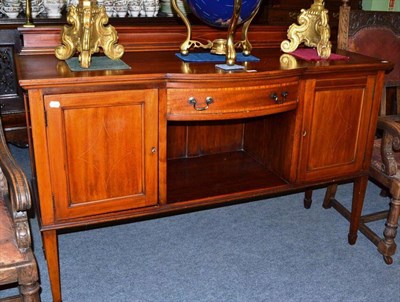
(209, 57)
(97, 63)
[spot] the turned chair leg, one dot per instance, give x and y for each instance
(30, 292)
(28, 279)
(387, 246)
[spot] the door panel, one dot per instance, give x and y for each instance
(331, 145)
(334, 137)
(102, 151)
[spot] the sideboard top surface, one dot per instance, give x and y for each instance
(36, 71)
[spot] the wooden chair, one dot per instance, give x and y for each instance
(17, 262)
(375, 34)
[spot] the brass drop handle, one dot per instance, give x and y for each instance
(192, 101)
(274, 96)
(284, 95)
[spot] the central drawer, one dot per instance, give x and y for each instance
(231, 102)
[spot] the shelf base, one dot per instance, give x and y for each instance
(217, 175)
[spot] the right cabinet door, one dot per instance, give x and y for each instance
(336, 123)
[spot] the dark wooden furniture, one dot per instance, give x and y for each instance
(366, 32)
(17, 262)
(384, 170)
(11, 98)
(123, 144)
(285, 12)
(272, 12)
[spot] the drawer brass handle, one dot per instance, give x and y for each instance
(193, 101)
(284, 94)
(274, 96)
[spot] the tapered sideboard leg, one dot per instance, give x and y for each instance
(307, 199)
(51, 251)
(329, 196)
(360, 187)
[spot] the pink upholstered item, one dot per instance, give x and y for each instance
(310, 54)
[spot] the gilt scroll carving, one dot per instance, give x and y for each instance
(313, 30)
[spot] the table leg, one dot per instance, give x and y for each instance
(329, 196)
(51, 252)
(360, 187)
(307, 199)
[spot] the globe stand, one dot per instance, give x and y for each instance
(220, 46)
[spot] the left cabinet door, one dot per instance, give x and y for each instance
(103, 151)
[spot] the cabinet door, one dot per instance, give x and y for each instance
(336, 124)
(102, 151)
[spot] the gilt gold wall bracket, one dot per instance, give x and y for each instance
(87, 32)
(313, 29)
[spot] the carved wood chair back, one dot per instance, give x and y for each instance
(375, 34)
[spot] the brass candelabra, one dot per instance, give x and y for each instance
(28, 14)
(87, 33)
(313, 30)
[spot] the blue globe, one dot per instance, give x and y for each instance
(218, 12)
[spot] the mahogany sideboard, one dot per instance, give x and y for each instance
(167, 136)
(277, 15)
